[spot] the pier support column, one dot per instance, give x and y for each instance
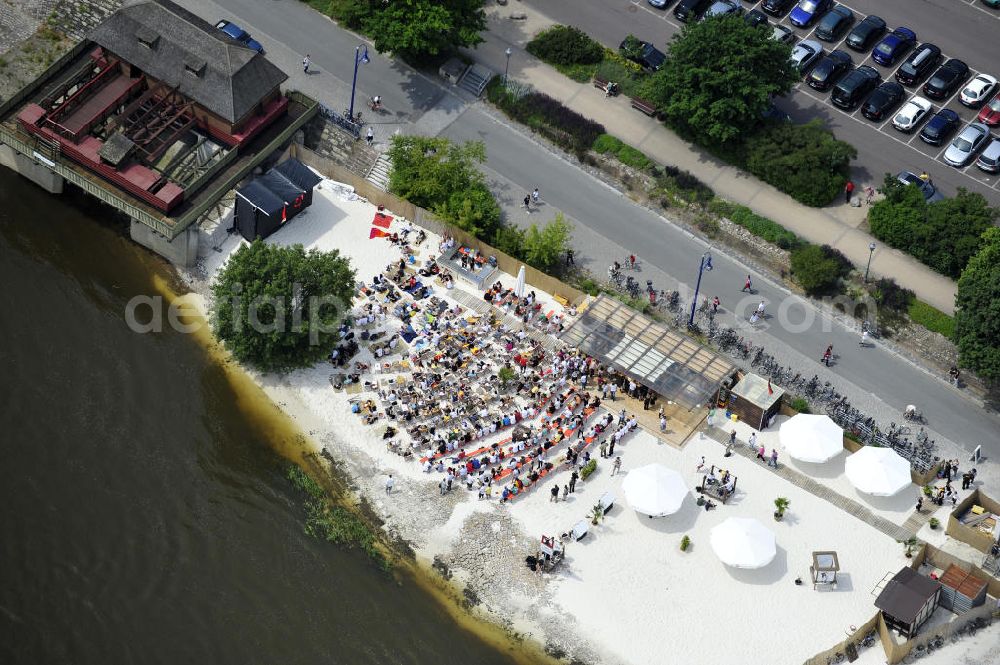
(181, 251)
(34, 170)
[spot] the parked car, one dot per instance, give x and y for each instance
(892, 47)
(689, 9)
(946, 79)
(989, 160)
(865, 33)
(940, 127)
(808, 11)
(783, 34)
(643, 53)
(911, 114)
(966, 144)
(659, 4)
(829, 70)
(992, 3)
(978, 90)
(722, 8)
(774, 114)
(855, 86)
(930, 192)
(776, 7)
(239, 34)
(805, 53)
(881, 102)
(755, 17)
(921, 62)
(990, 113)
(834, 24)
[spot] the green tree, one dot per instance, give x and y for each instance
(417, 29)
(804, 161)
(565, 45)
(894, 218)
(719, 77)
(444, 177)
(977, 310)
(277, 308)
(544, 248)
(816, 269)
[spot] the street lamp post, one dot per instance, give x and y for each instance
(871, 250)
(360, 56)
(706, 264)
(507, 66)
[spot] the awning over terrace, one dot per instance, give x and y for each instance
(650, 353)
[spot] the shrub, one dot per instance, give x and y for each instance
(933, 319)
(565, 45)
(685, 543)
(627, 74)
(510, 240)
(762, 227)
(816, 271)
(801, 405)
(977, 310)
(606, 143)
(887, 293)
(685, 185)
(629, 156)
(544, 248)
(566, 128)
(934, 522)
(805, 161)
(588, 469)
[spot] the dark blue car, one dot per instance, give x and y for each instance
(239, 34)
(893, 46)
(940, 127)
(808, 11)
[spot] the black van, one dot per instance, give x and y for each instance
(920, 63)
(689, 9)
(854, 87)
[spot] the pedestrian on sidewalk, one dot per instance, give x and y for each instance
(527, 202)
(827, 355)
(604, 449)
(715, 304)
(864, 338)
(748, 285)
(848, 191)
(611, 447)
(869, 194)
(732, 438)
(370, 136)
(663, 423)
(752, 441)
(534, 195)
(554, 494)
(572, 482)
(616, 467)
(305, 64)
(701, 465)
(774, 458)
(614, 390)
(389, 483)
(565, 492)
(569, 256)
(920, 503)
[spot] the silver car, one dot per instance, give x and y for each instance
(782, 34)
(989, 160)
(966, 144)
(723, 7)
(805, 54)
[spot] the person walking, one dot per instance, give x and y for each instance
(616, 467)
(864, 338)
(747, 286)
(572, 482)
(611, 447)
(527, 202)
(848, 191)
(554, 494)
(701, 465)
(715, 304)
(569, 256)
(869, 194)
(389, 483)
(732, 438)
(827, 355)
(752, 441)
(663, 423)
(920, 503)
(565, 492)
(305, 64)
(534, 195)
(370, 136)
(774, 457)
(614, 390)
(604, 448)
(631, 261)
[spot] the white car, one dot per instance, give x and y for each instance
(911, 114)
(978, 90)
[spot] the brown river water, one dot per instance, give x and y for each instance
(144, 513)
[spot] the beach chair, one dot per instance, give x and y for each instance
(580, 530)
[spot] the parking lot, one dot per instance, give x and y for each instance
(961, 28)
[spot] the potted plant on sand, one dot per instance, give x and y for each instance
(910, 544)
(685, 543)
(933, 523)
(781, 504)
(596, 514)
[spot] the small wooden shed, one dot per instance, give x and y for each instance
(908, 600)
(755, 400)
(961, 591)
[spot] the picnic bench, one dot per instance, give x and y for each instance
(714, 490)
(600, 83)
(642, 105)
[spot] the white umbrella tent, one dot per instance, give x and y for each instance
(878, 471)
(519, 285)
(811, 438)
(654, 490)
(742, 542)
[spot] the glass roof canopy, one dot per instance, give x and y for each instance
(650, 353)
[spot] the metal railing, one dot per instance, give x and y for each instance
(354, 128)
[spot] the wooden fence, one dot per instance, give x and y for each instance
(967, 534)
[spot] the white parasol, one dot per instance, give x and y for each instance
(654, 490)
(811, 438)
(742, 542)
(878, 471)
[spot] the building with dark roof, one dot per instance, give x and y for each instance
(908, 600)
(157, 113)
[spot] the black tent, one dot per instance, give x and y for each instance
(266, 203)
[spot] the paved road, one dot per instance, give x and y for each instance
(606, 221)
(968, 32)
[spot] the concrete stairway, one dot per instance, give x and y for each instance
(378, 174)
(475, 79)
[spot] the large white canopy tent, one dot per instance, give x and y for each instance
(811, 438)
(654, 490)
(743, 542)
(878, 471)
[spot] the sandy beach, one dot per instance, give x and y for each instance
(625, 593)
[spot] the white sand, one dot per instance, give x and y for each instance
(626, 593)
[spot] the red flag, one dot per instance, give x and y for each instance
(377, 233)
(770, 390)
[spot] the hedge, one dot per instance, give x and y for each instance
(762, 227)
(933, 319)
(625, 153)
(565, 45)
(566, 128)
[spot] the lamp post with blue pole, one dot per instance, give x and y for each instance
(360, 56)
(706, 264)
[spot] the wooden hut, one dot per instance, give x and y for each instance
(908, 600)
(755, 400)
